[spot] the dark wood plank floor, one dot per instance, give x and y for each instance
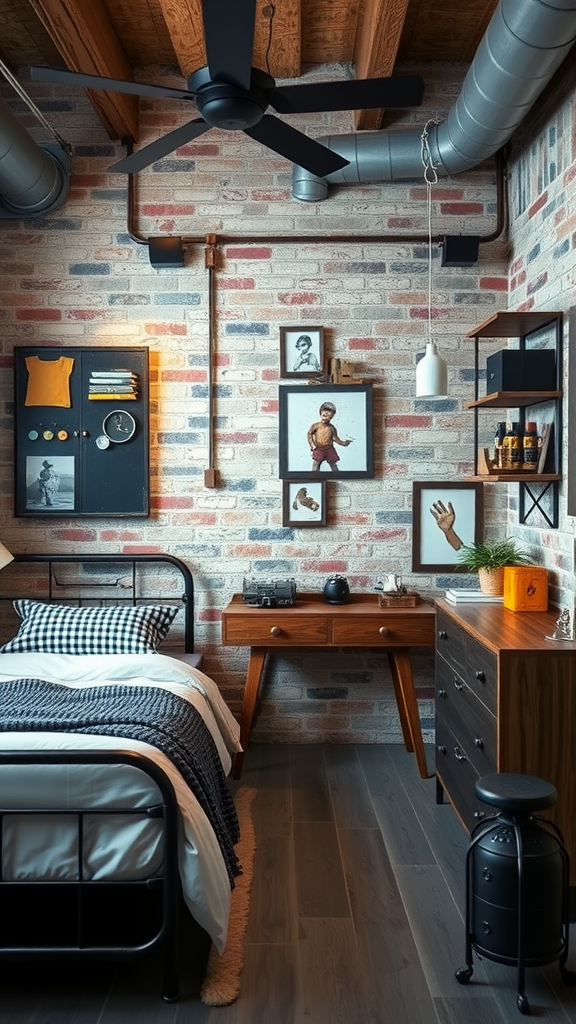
(356, 915)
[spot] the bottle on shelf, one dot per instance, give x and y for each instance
(499, 443)
(511, 458)
(530, 447)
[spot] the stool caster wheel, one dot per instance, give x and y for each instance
(463, 975)
(523, 1004)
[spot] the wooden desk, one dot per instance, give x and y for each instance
(311, 622)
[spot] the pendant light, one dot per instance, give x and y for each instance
(431, 369)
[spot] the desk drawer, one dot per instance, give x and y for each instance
(467, 717)
(385, 630)
(266, 629)
(474, 663)
(458, 775)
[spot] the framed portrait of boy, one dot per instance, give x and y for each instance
(446, 516)
(302, 352)
(304, 503)
(325, 431)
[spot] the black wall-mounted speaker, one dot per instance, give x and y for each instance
(165, 251)
(460, 250)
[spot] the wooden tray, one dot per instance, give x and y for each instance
(392, 600)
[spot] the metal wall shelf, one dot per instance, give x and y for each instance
(533, 488)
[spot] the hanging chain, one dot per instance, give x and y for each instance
(430, 178)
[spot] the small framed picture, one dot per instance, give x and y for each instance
(304, 503)
(301, 351)
(325, 430)
(445, 517)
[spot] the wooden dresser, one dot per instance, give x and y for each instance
(505, 701)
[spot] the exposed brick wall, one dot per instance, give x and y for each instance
(75, 277)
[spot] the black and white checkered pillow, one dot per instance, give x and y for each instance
(58, 629)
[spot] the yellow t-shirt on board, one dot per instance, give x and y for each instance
(49, 381)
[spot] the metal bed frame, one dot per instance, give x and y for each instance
(71, 909)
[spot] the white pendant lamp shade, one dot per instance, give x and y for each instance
(5, 556)
(431, 374)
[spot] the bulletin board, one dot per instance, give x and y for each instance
(81, 432)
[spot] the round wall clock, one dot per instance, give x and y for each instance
(119, 426)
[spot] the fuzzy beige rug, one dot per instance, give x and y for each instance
(222, 982)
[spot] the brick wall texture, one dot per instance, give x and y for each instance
(81, 275)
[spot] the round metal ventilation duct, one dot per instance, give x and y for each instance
(524, 44)
(33, 179)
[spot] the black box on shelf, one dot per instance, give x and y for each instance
(521, 370)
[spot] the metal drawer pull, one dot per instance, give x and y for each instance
(457, 683)
(459, 755)
(479, 814)
(442, 693)
(479, 743)
(383, 630)
(441, 749)
(442, 634)
(480, 676)
(275, 631)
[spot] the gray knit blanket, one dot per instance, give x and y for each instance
(151, 714)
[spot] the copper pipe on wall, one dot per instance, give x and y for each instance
(492, 236)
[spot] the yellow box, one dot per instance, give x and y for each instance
(526, 588)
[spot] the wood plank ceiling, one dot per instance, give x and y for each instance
(116, 38)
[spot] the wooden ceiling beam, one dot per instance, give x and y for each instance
(377, 45)
(277, 36)
(184, 23)
(278, 39)
(85, 37)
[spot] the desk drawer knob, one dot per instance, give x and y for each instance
(480, 676)
(276, 631)
(384, 631)
(443, 635)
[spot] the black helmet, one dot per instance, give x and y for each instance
(336, 590)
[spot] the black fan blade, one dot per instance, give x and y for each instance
(296, 146)
(61, 77)
(229, 39)
(357, 94)
(161, 147)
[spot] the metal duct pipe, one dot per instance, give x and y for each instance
(33, 180)
(524, 44)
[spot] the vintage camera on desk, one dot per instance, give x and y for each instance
(277, 594)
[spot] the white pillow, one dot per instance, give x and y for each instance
(59, 629)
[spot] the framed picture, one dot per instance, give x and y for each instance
(325, 429)
(50, 483)
(301, 351)
(445, 517)
(304, 503)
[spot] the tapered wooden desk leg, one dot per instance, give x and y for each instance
(403, 680)
(249, 701)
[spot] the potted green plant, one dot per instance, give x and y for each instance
(489, 559)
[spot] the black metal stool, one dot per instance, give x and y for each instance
(517, 881)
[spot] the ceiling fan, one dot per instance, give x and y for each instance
(230, 94)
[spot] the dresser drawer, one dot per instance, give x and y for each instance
(477, 666)
(457, 775)
(257, 628)
(467, 717)
(387, 630)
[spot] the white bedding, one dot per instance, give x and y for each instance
(50, 849)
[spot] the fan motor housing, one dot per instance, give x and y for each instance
(225, 105)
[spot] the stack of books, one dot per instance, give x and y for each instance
(113, 385)
(464, 596)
